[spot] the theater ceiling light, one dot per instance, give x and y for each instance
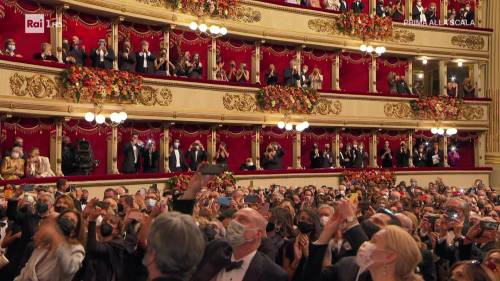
(442, 131)
(460, 63)
(289, 126)
(370, 49)
(212, 30)
(115, 117)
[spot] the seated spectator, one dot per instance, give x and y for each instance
(316, 79)
(469, 89)
(195, 69)
(163, 66)
(13, 165)
(145, 60)
(399, 11)
(243, 75)
(248, 165)
(357, 6)
(46, 53)
(231, 74)
(102, 57)
(66, 56)
(77, 54)
(38, 166)
(220, 73)
(271, 75)
(126, 59)
(332, 5)
(10, 48)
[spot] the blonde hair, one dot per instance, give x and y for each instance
(409, 256)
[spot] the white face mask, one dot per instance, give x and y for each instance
(235, 234)
(364, 257)
(176, 145)
(12, 47)
(324, 220)
(150, 202)
(14, 155)
(355, 146)
(249, 163)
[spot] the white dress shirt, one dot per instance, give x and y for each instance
(177, 158)
(3, 231)
(134, 147)
(236, 274)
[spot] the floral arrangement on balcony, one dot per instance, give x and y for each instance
(437, 108)
(178, 183)
(215, 8)
(364, 26)
(222, 182)
(365, 177)
(287, 99)
(95, 84)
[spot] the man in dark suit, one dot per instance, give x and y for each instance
(176, 160)
(342, 156)
(403, 156)
(468, 14)
(380, 9)
(361, 157)
(420, 156)
(402, 86)
(315, 157)
(357, 6)
(273, 157)
(132, 153)
(386, 156)
(327, 157)
(151, 158)
(238, 258)
(102, 57)
(196, 155)
(46, 53)
(145, 60)
(435, 156)
(77, 52)
(291, 75)
(126, 59)
(248, 165)
(343, 6)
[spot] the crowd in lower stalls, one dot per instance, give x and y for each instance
(354, 231)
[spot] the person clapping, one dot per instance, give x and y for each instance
(273, 157)
(103, 56)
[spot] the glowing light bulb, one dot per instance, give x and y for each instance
(306, 124)
(362, 48)
(214, 29)
(89, 116)
(115, 117)
(281, 124)
(193, 26)
(288, 126)
(99, 119)
(223, 31)
(123, 116)
(440, 131)
(451, 131)
(460, 63)
(369, 49)
(424, 61)
(203, 27)
(434, 131)
(299, 127)
(420, 76)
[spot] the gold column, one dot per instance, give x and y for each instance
(336, 73)
(410, 147)
(479, 12)
(115, 23)
(56, 148)
(409, 9)
(493, 91)
(409, 74)
(443, 76)
(56, 36)
(373, 6)
(297, 146)
(373, 149)
(445, 150)
(373, 75)
(255, 78)
(166, 43)
(256, 148)
(211, 144)
(478, 80)
(444, 10)
(112, 158)
(337, 148)
(479, 150)
(165, 149)
(212, 54)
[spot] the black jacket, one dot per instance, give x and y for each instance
(357, 7)
(326, 159)
(38, 56)
(272, 79)
(380, 10)
(415, 14)
(150, 62)
(402, 158)
(129, 166)
(360, 159)
(172, 161)
(275, 163)
(343, 6)
(386, 161)
(126, 63)
(419, 160)
(151, 161)
(79, 55)
(291, 77)
(316, 160)
(194, 161)
(108, 59)
(431, 153)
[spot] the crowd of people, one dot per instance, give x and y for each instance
(354, 231)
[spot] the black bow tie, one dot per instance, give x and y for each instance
(230, 265)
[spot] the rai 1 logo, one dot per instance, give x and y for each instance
(34, 23)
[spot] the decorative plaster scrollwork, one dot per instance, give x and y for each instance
(239, 102)
(151, 96)
(156, 3)
(322, 25)
(469, 112)
(402, 35)
(473, 42)
(398, 110)
(247, 14)
(38, 86)
(403, 110)
(327, 107)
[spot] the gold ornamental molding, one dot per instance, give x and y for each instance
(38, 86)
(156, 3)
(151, 96)
(402, 35)
(322, 26)
(328, 107)
(247, 15)
(239, 102)
(403, 110)
(472, 42)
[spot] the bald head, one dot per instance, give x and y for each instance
(251, 218)
(405, 222)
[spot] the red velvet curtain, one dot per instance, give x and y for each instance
(321, 136)
(459, 4)
(191, 42)
(187, 134)
(366, 9)
(238, 141)
(35, 133)
(138, 32)
(284, 138)
(12, 25)
(96, 135)
(88, 28)
(465, 143)
(427, 3)
(395, 138)
(323, 61)
(238, 50)
(386, 66)
(354, 72)
(146, 131)
(359, 135)
(278, 55)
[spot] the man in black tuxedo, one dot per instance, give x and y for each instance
(361, 157)
(145, 60)
(386, 155)
(126, 59)
(327, 157)
(291, 75)
(176, 160)
(403, 156)
(380, 9)
(342, 156)
(343, 6)
(196, 155)
(435, 156)
(77, 52)
(102, 57)
(357, 6)
(237, 258)
(151, 158)
(468, 14)
(132, 151)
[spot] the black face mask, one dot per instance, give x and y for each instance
(106, 229)
(270, 226)
(66, 226)
(60, 209)
(120, 208)
(369, 228)
(41, 207)
(83, 200)
(305, 227)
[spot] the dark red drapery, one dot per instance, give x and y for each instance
(187, 134)
(284, 138)
(191, 42)
(280, 56)
(465, 143)
(96, 135)
(321, 136)
(238, 50)
(238, 143)
(12, 25)
(395, 138)
(354, 72)
(323, 61)
(359, 135)
(35, 133)
(138, 32)
(88, 28)
(386, 66)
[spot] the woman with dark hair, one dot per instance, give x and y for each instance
(279, 231)
(470, 270)
(308, 230)
(59, 251)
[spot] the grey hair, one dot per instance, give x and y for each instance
(327, 206)
(178, 244)
(49, 196)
